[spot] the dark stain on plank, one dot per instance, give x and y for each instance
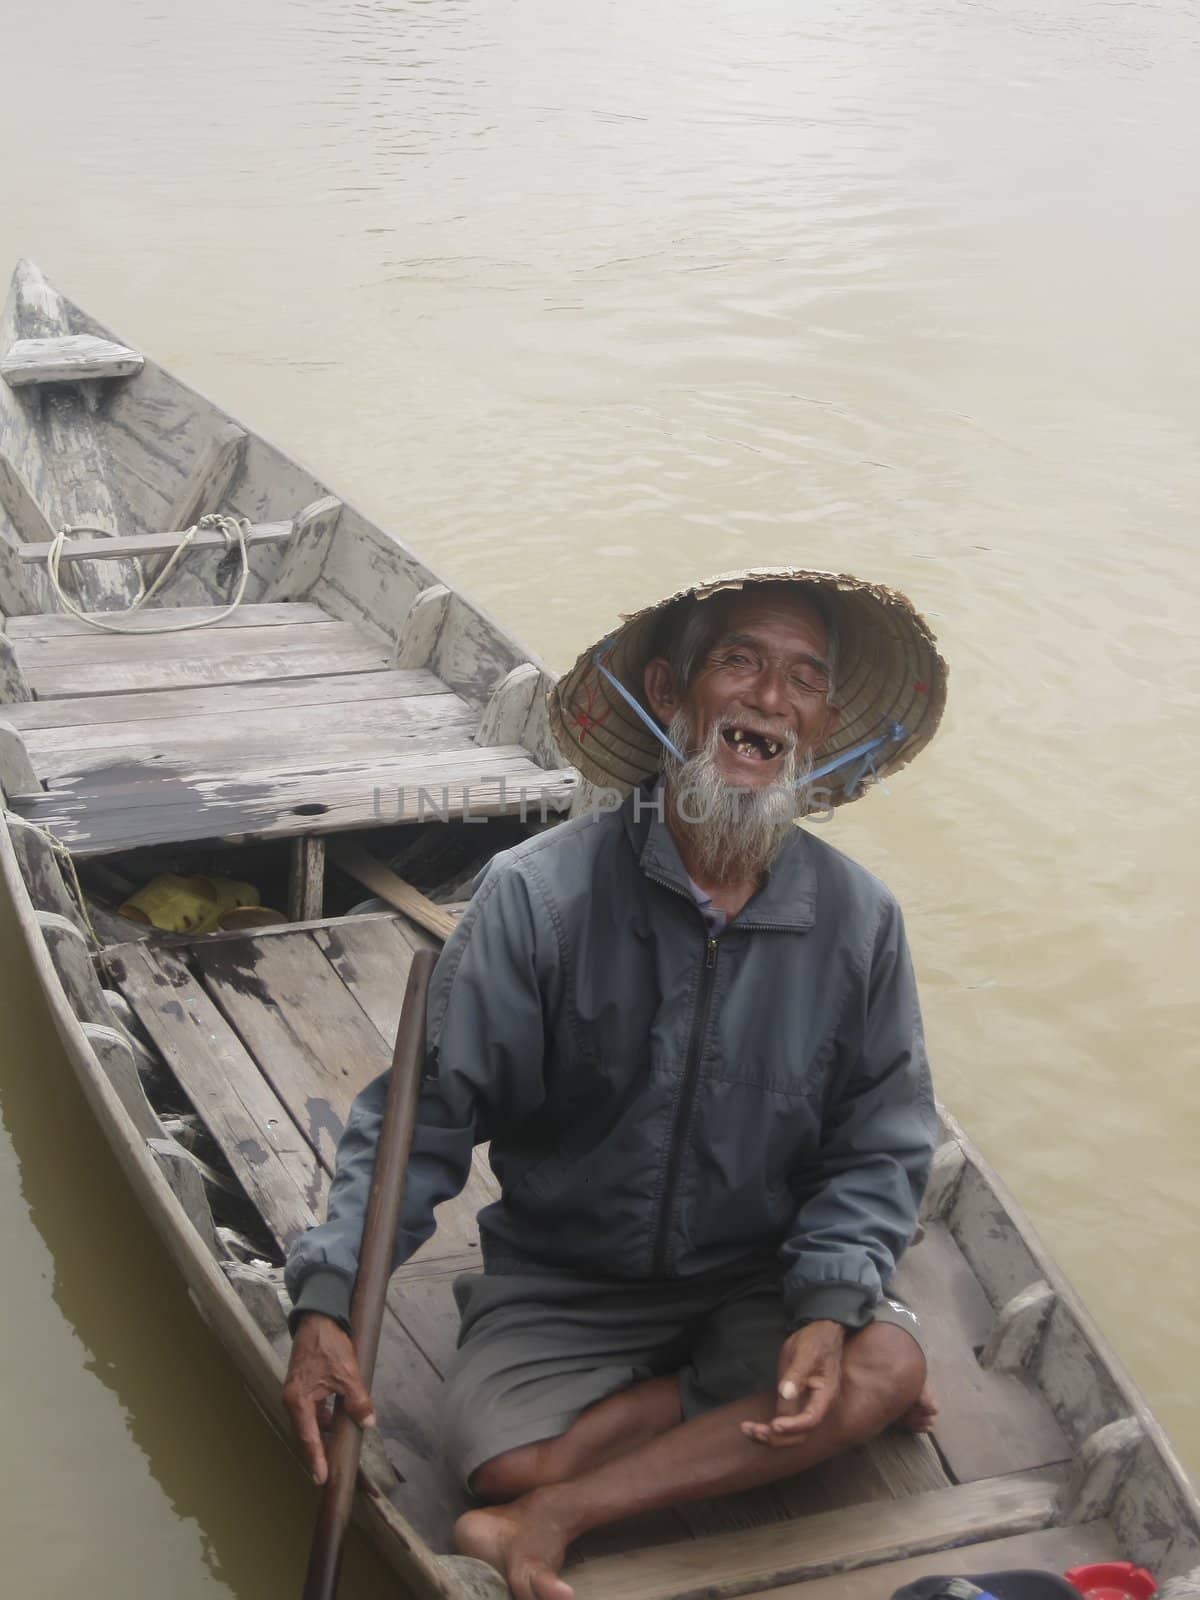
(251, 1151)
(236, 964)
(322, 1119)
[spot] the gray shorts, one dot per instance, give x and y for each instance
(536, 1349)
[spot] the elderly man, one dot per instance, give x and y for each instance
(691, 1032)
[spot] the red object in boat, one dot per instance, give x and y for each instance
(1112, 1580)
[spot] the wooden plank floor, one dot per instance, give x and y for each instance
(272, 1035)
(273, 722)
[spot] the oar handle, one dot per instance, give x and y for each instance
(374, 1269)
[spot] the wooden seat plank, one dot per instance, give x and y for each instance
(989, 1422)
(313, 737)
(61, 624)
(1047, 1550)
(67, 358)
(228, 700)
(91, 650)
(832, 1541)
(173, 806)
(79, 547)
(267, 664)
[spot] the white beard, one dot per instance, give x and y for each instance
(736, 832)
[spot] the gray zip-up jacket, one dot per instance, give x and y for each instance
(661, 1102)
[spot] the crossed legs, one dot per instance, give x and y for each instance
(633, 1453)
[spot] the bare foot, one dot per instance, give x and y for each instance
(920, 1416)
(522, 1543)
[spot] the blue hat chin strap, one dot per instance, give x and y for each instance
(863, 753)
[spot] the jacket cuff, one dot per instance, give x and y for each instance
(324, 1291)
(846, 1303)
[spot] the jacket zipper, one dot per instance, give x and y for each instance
(683, 1106)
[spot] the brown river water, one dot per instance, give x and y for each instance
(585, 301)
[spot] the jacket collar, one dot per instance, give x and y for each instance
(787, 901)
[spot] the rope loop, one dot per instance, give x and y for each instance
(232, 530)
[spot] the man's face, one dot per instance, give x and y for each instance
(764, 680)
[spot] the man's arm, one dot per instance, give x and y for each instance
(860, 1211)
(483, 1070)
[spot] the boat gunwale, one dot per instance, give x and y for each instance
(211, 1292)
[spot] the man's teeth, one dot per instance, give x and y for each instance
(771, 747)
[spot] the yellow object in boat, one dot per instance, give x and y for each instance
(187, 905)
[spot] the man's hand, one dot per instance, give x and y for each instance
(810, 1375)
(323, 1363)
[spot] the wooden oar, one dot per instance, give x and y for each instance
(374, 1269)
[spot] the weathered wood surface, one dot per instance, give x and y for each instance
(507, 712)
(1015, 1340)
(269, 1157)
(67, 358)
(229, 701)
(381, 880)
(945, 1175)
(1048, 1550)
(183, 805)
(1154, 1511)
(82, 547)
(29, 521)
(306, 879)
(1072, 1372)
(473, 652)
(259, 1289)
(22, 588)
(71, 954)
(991, 1422)
(312, 536)
(42, 875)
(405, 1387)
(832, 1541)
(250, 1353)
(989, 1238)
(90, 650)
(17, 776)
(61, 624)
(367, 573)
(116, 1056)
(316, 737)
(314, 1042)
(186, 1184)
(211, 475)
(13, 687)
(372, 959)
(205, 665)
(419, 634)
(281, 1171)
(53, 444)
(178, 941)
(1103, 1464)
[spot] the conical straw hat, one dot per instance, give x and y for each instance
(888, 670)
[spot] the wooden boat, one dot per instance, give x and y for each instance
(288, 744)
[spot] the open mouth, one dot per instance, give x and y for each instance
(747, 745)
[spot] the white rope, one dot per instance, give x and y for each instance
(230, 528)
